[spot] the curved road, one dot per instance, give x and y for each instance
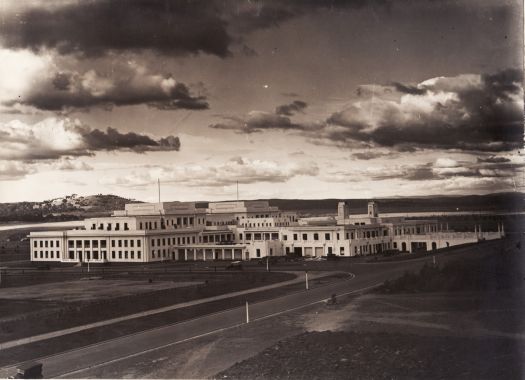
(72, 362)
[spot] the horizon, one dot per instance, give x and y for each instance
(314, 100)
(281, 198)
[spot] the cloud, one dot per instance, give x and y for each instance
(237, 169)
(494, 159)
(442, 169)
(291, 108)
(467, 112)
(92, 28)
(176, 28)
(257, 121)
(53, 138)
(371, 154)
(10, 170)
(125, 85)
(68, 164)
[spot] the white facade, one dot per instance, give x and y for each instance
(151, 232)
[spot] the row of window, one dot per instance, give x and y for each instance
(46, 243)
(86, 243)
(109, 226)
(46, 254)
(125, 243)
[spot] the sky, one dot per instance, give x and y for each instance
(288, 99)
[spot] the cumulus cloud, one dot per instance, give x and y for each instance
(467, 112)
(129, 84)
(11, 170)
(237, 169)
(53, 138)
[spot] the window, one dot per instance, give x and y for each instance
(248, 236)
(126, 255)
(113, 243)
(316, 236)
(305, 236)
(79, 243)
(337, 236)
(140, 225)
(131, 243)
(132, 255)
(71, 255)
(86, 244)
(95, 255)
(112, 254)
(138, 243)
(95, 243)
(258, 252)
(153, 242)
(51, 244)
(158, 242)
(71, 244)
(120, 243)
(125, 243)
(285, 237)
(117, 226)
(327, 236)
(46, 244)
(352, 235)
(138, 255)
(119, 254)
(126, 226)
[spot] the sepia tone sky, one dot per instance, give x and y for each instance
(292, 99)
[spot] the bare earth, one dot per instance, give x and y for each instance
(88, 289)
(405, 336)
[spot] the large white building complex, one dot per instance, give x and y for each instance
(238, 230)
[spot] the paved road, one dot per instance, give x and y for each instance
(73, 362)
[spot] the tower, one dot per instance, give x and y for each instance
(372, 209)
(342, 211)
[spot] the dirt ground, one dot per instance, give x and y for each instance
(461, 335)
(88, 289)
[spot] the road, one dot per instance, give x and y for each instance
(75, 361)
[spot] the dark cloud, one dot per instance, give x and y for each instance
(95, 27)
(370, 155)
(291, 108)
(493, 159)
(178, 28)
(127, 86)
(407, 89)
(480, 113)
(112, 139)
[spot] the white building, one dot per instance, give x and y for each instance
(148, 232)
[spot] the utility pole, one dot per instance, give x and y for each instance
(267, 264)
(158, 185)
(247, 313)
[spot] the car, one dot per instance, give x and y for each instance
(235, 265)
(29, 370)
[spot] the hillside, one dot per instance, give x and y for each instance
(489, 202)
(70, 207)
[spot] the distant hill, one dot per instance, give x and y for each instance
(70, 207)
(73, 207)
(489, 202)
